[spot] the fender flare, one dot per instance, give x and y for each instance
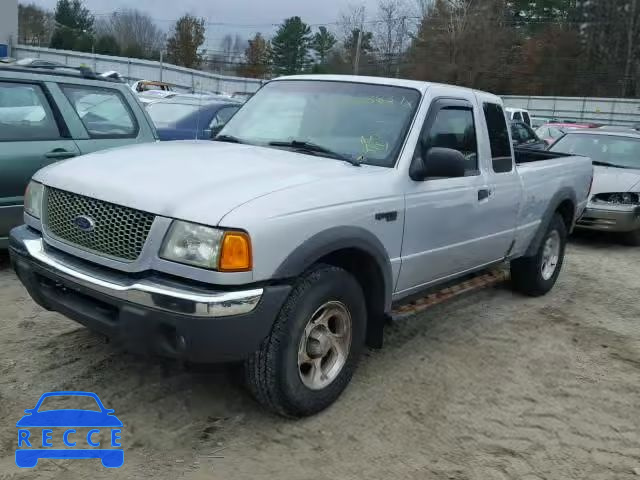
(332, 240)
(565, 193)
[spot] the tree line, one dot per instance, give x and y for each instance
(534, 47)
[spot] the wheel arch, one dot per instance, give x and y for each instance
(563, 203)
(360, 253)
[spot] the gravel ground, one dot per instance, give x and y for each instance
(489, 386)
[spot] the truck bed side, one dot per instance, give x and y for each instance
(547, 183)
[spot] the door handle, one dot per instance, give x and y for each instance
(483, 194)
(60, 154)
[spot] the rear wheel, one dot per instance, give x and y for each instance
(632, 238)
(314, 346)
(538, 274)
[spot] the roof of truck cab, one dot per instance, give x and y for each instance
(395, 82)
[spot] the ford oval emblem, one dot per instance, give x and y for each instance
(84, 223)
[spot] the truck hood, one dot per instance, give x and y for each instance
(611, 180)
(198, 181)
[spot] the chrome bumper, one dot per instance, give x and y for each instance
(614, 219)
(149, 293)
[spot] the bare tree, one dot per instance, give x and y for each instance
(391, 32)
(35, 25)
(352, 19)
(135, 31)
(422, 7)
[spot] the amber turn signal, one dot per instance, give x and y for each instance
(235, 253)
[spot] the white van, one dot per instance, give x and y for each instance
(518, 115)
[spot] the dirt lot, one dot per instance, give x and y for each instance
(489, 386)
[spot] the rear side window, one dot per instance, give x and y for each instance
(498, 138)
(25, 114)
(526, 117)
(517, 116)
(103, 111)
(454, 128)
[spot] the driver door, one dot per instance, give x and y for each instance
(446, 219)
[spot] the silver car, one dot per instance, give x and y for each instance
(614, 204)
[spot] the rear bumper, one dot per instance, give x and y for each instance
(613, 219)
(149, 315)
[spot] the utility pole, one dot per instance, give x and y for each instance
(161, 55)
(356, 62)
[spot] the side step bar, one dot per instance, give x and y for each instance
(478, 281)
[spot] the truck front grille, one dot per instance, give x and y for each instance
(100, 227)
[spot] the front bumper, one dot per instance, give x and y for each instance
(612, 219)
(153, 314)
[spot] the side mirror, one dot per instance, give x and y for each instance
(216, 130)
(438, 162)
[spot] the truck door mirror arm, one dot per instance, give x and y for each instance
(437, 162)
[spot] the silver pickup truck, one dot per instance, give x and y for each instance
(324, 202)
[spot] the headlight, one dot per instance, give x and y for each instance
(627, 198)
(207, 247)
(33, 199)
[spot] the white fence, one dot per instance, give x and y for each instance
(608, 111)
(135, 69)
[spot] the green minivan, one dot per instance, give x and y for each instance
(48, 115)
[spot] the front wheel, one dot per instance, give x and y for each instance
(314, 346)
(536, 275)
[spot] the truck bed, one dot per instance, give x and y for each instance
(543, 174)
(528, 155)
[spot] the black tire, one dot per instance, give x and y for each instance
(526, 272)
(632, 238)
(272, 372)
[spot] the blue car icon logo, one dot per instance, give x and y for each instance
(81, 431)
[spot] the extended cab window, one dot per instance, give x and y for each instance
(103, 111)
(25, 114)
(498, 138)
(454, 128)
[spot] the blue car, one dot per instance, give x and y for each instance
(191, 118)
(32, 446)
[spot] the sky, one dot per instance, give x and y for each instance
(242, 16)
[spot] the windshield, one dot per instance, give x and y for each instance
(359, 121)
(623, 152)
(164, 114)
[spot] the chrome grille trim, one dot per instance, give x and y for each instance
(119, 232)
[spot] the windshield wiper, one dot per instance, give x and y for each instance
(314, 148)
(607, 164)
(227, 138)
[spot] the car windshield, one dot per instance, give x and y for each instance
(164, 114)
(623, 152)
(362, 122)
(65, 402)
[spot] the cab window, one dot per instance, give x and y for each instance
(454, 128)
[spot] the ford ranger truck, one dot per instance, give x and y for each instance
(285, 243)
